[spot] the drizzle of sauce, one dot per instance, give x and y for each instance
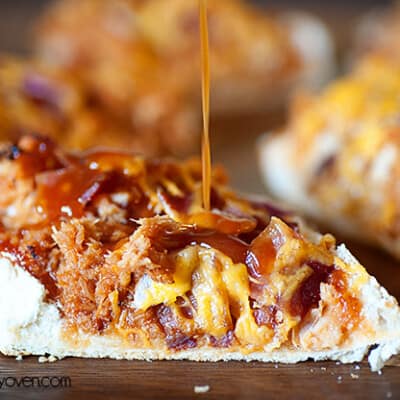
(205, 69)
(258, 256)
(66, 184)
(34, 155)
(230, 245)
(67, 191)
(222, 222)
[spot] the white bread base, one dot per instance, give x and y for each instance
(34, 327)
(284, 179)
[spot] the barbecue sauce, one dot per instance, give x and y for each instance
(205, 79)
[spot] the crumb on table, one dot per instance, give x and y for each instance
(44, 359)
(201, 388)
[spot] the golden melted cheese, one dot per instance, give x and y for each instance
(149, 292)
(369, 94)
(236, 280)
(218, 286)
(211, 296)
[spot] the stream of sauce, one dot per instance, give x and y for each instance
(205, 84)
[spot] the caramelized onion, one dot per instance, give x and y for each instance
(262, 252)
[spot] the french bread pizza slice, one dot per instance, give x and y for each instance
(107, 254)
(115, 46)
(338, 158)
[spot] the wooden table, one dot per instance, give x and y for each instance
(234, 143)
(108, 379)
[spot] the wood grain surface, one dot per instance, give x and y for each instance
(234, 142)
(109, 379)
